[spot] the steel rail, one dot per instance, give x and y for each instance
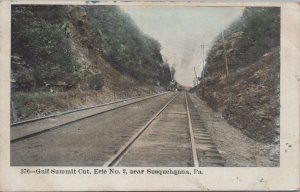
(81, 109)
(114, 160)
(194, 151)
(79, 119)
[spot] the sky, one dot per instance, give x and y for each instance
(181, 31)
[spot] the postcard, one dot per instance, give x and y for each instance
(160, 96)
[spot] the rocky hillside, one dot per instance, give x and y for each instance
(58, 51)
(249, 97)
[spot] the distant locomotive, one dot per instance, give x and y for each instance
(175, 86)
(172, 86)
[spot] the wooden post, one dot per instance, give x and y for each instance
(68, 100)
(14, 112)
(203, 70)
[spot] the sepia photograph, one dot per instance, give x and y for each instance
(149, 96)
(145, 86)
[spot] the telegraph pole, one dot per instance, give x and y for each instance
(196, 76)
(203, 68)
(225, 56)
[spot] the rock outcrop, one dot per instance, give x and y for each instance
(249, 97)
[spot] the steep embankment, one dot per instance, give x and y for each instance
(79, 54)
(249, 97)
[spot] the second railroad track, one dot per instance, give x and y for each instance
(164, 130)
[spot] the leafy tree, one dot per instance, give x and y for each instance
(96, 81)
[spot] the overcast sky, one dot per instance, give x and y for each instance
(181, 31)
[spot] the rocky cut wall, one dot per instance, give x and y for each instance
(68, 46)
(249, 97)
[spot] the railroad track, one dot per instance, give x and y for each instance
(151, 131)
(174, 136)
(72, 111)
(23, 130)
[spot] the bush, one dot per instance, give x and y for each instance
(96, 81)
(27, 103)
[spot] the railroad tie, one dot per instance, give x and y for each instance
(208, 154)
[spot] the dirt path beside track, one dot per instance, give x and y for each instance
(236, 148)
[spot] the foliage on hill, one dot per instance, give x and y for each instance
(45, 49)
(124, 45)
(260, 31)
(43, 40)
